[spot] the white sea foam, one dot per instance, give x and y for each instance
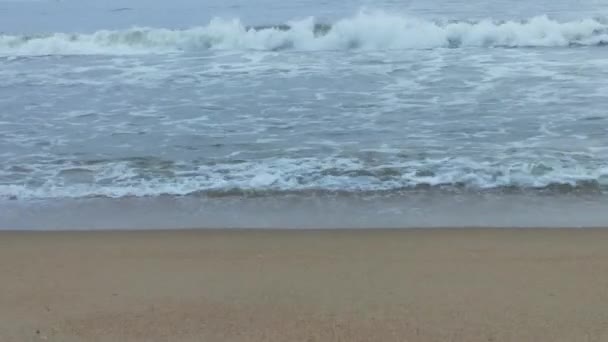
(366, 31)
(118, 179)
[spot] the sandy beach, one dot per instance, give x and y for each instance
(341, 285)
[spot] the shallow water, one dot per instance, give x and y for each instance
(371, 102)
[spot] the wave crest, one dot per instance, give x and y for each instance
(365, 31)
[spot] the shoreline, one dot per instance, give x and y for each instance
(455, 284)
(423, 210)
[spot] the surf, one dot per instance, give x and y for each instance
(363, 31)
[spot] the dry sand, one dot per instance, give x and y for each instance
(409, 285)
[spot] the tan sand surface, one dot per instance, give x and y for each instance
(342, 285)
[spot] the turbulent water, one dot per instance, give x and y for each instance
(395, 103)
(365, 31)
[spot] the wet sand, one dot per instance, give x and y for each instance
(341, 285)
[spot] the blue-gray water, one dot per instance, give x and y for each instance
(319, 113)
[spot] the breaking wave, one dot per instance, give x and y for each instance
(307, 176)
(365, 31)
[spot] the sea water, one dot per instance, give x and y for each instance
(303, 113)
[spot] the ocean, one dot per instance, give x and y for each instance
(303, 114)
